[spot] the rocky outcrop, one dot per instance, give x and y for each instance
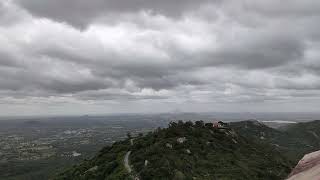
(308, 168)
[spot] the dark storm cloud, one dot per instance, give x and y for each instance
(286, 8)
(82, 12)
(35, 80)
(266, 52)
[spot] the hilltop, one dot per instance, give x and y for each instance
(186, 151)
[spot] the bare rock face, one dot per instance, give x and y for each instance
(308, 168)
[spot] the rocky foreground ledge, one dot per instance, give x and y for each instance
(308, 168)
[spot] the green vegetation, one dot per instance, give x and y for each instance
(108, 164)
(34, 169)
(186, 151)
(293, 141)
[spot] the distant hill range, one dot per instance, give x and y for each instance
(33, 123)
(293, 140)
(204, 151)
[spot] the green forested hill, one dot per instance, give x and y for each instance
(293, 141)
(308, 133)
(187, 151)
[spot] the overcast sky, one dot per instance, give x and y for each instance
(113, 56)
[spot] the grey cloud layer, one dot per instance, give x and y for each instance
(82, 12)
(159, 51)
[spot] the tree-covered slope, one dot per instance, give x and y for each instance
(293, 141)
(308, 132)
(108, 164)
(185, 151)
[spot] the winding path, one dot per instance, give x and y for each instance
(126, 162)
